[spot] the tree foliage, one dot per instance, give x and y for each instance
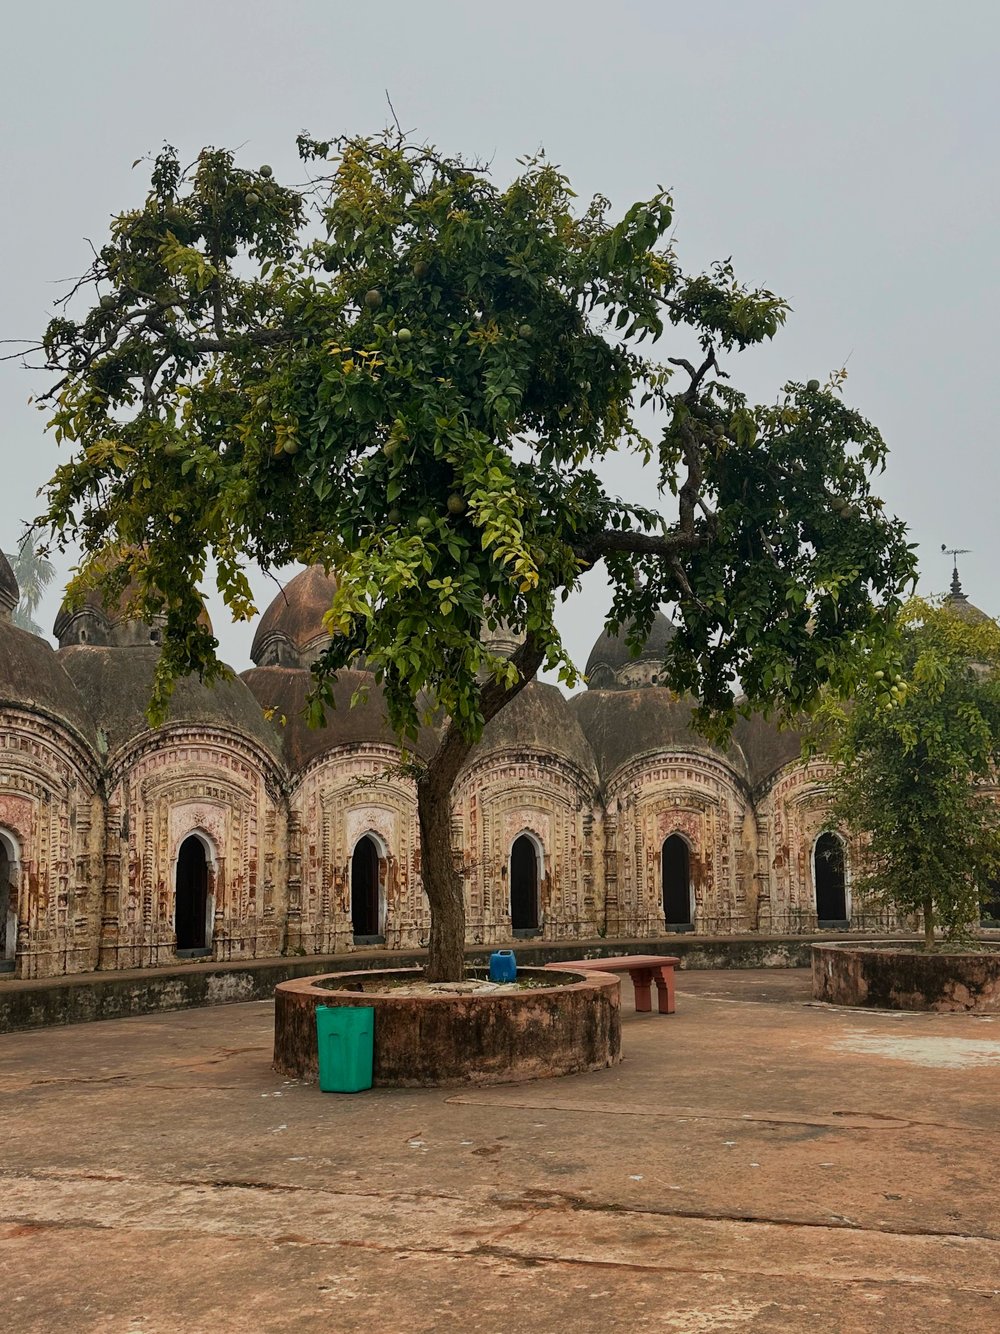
(918, 751)
(33, 572)
(409, 373)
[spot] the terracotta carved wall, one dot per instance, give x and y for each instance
(51, 812)
(548, 799)
(791, 815)
(335, 803)
(647, 801)
(183, 782)
(93, 878)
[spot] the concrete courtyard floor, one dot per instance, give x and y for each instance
(756, 1163)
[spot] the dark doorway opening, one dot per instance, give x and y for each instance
(831, 881)
(191, 902)
(989, 903)
(524, 912)
(365, 891)
(8, 915)
(675, 863)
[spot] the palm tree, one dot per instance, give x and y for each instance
(33, 572)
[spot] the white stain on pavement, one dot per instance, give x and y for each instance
(935, 1053)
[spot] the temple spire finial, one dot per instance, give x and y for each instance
(956, 583)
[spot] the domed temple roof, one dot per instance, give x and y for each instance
(116, 687)
(284, 691)
(32, 677)
(767, 746)
(611, 665)
(291, 632)
(958, 604)
(114, 625)
(621, 725)
(538, 720)
(9, 591)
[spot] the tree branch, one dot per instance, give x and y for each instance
(696, 375)
(454, 750)
(527, 658)
(667, 545)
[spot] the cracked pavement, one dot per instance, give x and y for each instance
(756, 1163)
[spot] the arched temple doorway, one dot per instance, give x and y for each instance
(192, 901)
(8, 899)
(830, 880)
(989, 903)
(366, 890)
(525, 882)
(675, 869)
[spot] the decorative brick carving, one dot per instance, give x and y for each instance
(98, 840)
(49, 803)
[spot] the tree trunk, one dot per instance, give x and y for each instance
(442, 880)
(928, 915)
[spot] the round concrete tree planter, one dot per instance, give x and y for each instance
(571, 1024)
(894, 977)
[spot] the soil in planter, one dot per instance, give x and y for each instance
(941, 948)
(471, 986)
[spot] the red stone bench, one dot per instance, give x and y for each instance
(644, 969)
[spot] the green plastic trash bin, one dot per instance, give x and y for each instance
(345, 1035)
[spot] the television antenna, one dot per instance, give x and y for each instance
(954, 553)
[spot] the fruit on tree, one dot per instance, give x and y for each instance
(421, 268)
(253, 199)
(373, 298)
(456, 503)
(266, 170)
(403, 336)
(813, 386)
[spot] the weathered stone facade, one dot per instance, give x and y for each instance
(235, 832)
(51, 822)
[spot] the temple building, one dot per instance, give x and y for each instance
(234, 831)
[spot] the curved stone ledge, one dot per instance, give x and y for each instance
(890, 978)
(571, 1026)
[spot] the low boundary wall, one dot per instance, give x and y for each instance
(82, 997)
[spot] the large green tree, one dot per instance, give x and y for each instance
(918, 751)
(408, 372)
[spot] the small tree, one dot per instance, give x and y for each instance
(33, 572)
(918, 751)
(407, 373)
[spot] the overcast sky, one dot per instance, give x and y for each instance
(844, 152)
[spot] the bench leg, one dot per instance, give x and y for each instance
(665, 990)
(641, 978)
